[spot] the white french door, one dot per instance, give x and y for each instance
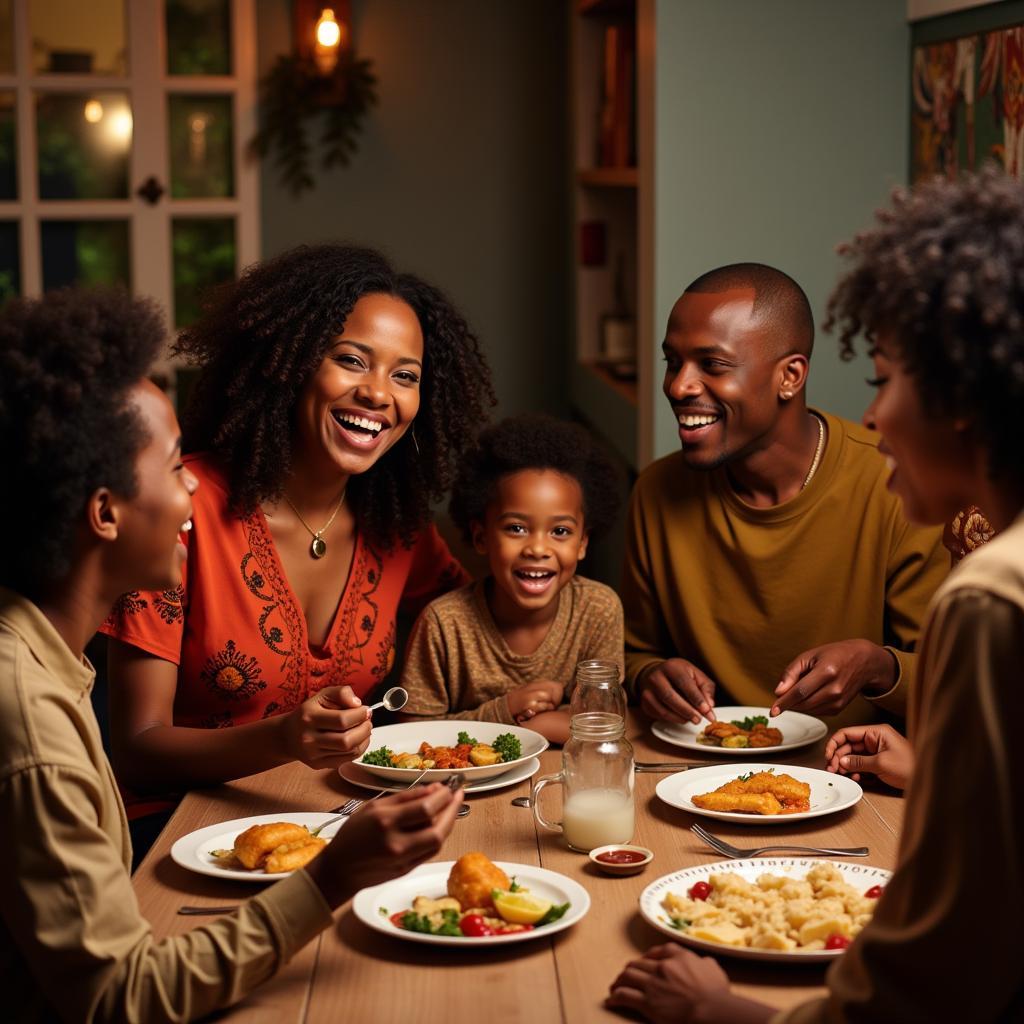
(123, 134)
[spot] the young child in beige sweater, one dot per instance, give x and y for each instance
(504, 649)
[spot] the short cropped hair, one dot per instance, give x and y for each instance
(778, 300)
(67, 427)
(941, 274)
(534, 441)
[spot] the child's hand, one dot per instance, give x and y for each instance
(878, 749)
(533, 698)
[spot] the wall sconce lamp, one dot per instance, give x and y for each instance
(322, 33)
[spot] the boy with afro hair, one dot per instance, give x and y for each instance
(529, 496)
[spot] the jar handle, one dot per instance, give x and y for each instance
(558, 779)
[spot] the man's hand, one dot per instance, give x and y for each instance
(534, 698)
(677, 691)
(330, 728)
(671, 985)
(823, 680)
(876, 749)
(384, 839)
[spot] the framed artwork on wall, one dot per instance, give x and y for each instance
(967, 97)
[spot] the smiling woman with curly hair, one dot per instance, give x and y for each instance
(335, 398)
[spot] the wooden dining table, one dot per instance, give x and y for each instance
(353, 973)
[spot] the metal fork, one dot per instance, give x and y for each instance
(353, 805)
(733, 852)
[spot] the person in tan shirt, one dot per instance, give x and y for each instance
(529, 496)
(96, 499)
(936, 285)
(766, 556)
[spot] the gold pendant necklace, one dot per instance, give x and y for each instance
(318, 547)
(819, 448)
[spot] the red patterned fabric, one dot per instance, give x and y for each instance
(969, 530)
(239, 636)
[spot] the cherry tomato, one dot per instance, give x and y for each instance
(396, 919)
(874, 892)
(699, 891)
(836, 941)
(474, 926)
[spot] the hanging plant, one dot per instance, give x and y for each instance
(295, 93)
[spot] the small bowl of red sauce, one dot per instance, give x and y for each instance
(621, 858)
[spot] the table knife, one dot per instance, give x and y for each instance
(677, 766)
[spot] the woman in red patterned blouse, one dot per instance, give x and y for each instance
(311, 524)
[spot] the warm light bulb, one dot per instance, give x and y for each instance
(328, 31)
(121, 125)
(94, 111)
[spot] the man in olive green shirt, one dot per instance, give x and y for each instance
(96, 496)
(767, 557)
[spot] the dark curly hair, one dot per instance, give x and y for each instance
(534, 441)
(942, 275)
(264, 337)
(67, 364)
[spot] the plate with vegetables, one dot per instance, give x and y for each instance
(519, 772)
(473, 902)
(746, 729)
(476, 750)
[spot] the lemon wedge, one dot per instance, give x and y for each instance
(520, 907)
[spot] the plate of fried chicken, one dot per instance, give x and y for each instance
(738, 730)
(761, 794)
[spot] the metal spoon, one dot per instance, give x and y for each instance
(522, 801)
(394, 700)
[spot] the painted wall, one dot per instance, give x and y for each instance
(780, 127)
(461, 174)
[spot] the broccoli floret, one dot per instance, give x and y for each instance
(381, 756)
(508, 746)
(413, 922)
(464, 737)
(749, 723)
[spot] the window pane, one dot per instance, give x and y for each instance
(70, 36)
(204, 256)
(8, 148)
(89, 252)
(6, 38)
(198, 37)
(84, 143)
(201, 146)
(10, 263)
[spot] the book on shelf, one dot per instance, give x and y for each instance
(617, 131)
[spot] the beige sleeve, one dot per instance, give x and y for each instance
(646, 637)
(67, 899)
(958, 885)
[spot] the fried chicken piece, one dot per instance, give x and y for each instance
(743, 803)
(763, 736)
(255, 843)
(716, 732)
(292, 856)
(783, 787)
(472, 878)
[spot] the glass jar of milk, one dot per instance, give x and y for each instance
(597, 779)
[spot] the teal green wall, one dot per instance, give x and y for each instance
(462, 172)
(780, 127)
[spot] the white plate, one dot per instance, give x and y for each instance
(861, 876)
(797, 731)
(520, 772)
(193, 851)
(829, 793)
(407, 737)
(432, 880)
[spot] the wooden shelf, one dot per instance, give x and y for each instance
(625, 388)
(608, 177)
(597, 7)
